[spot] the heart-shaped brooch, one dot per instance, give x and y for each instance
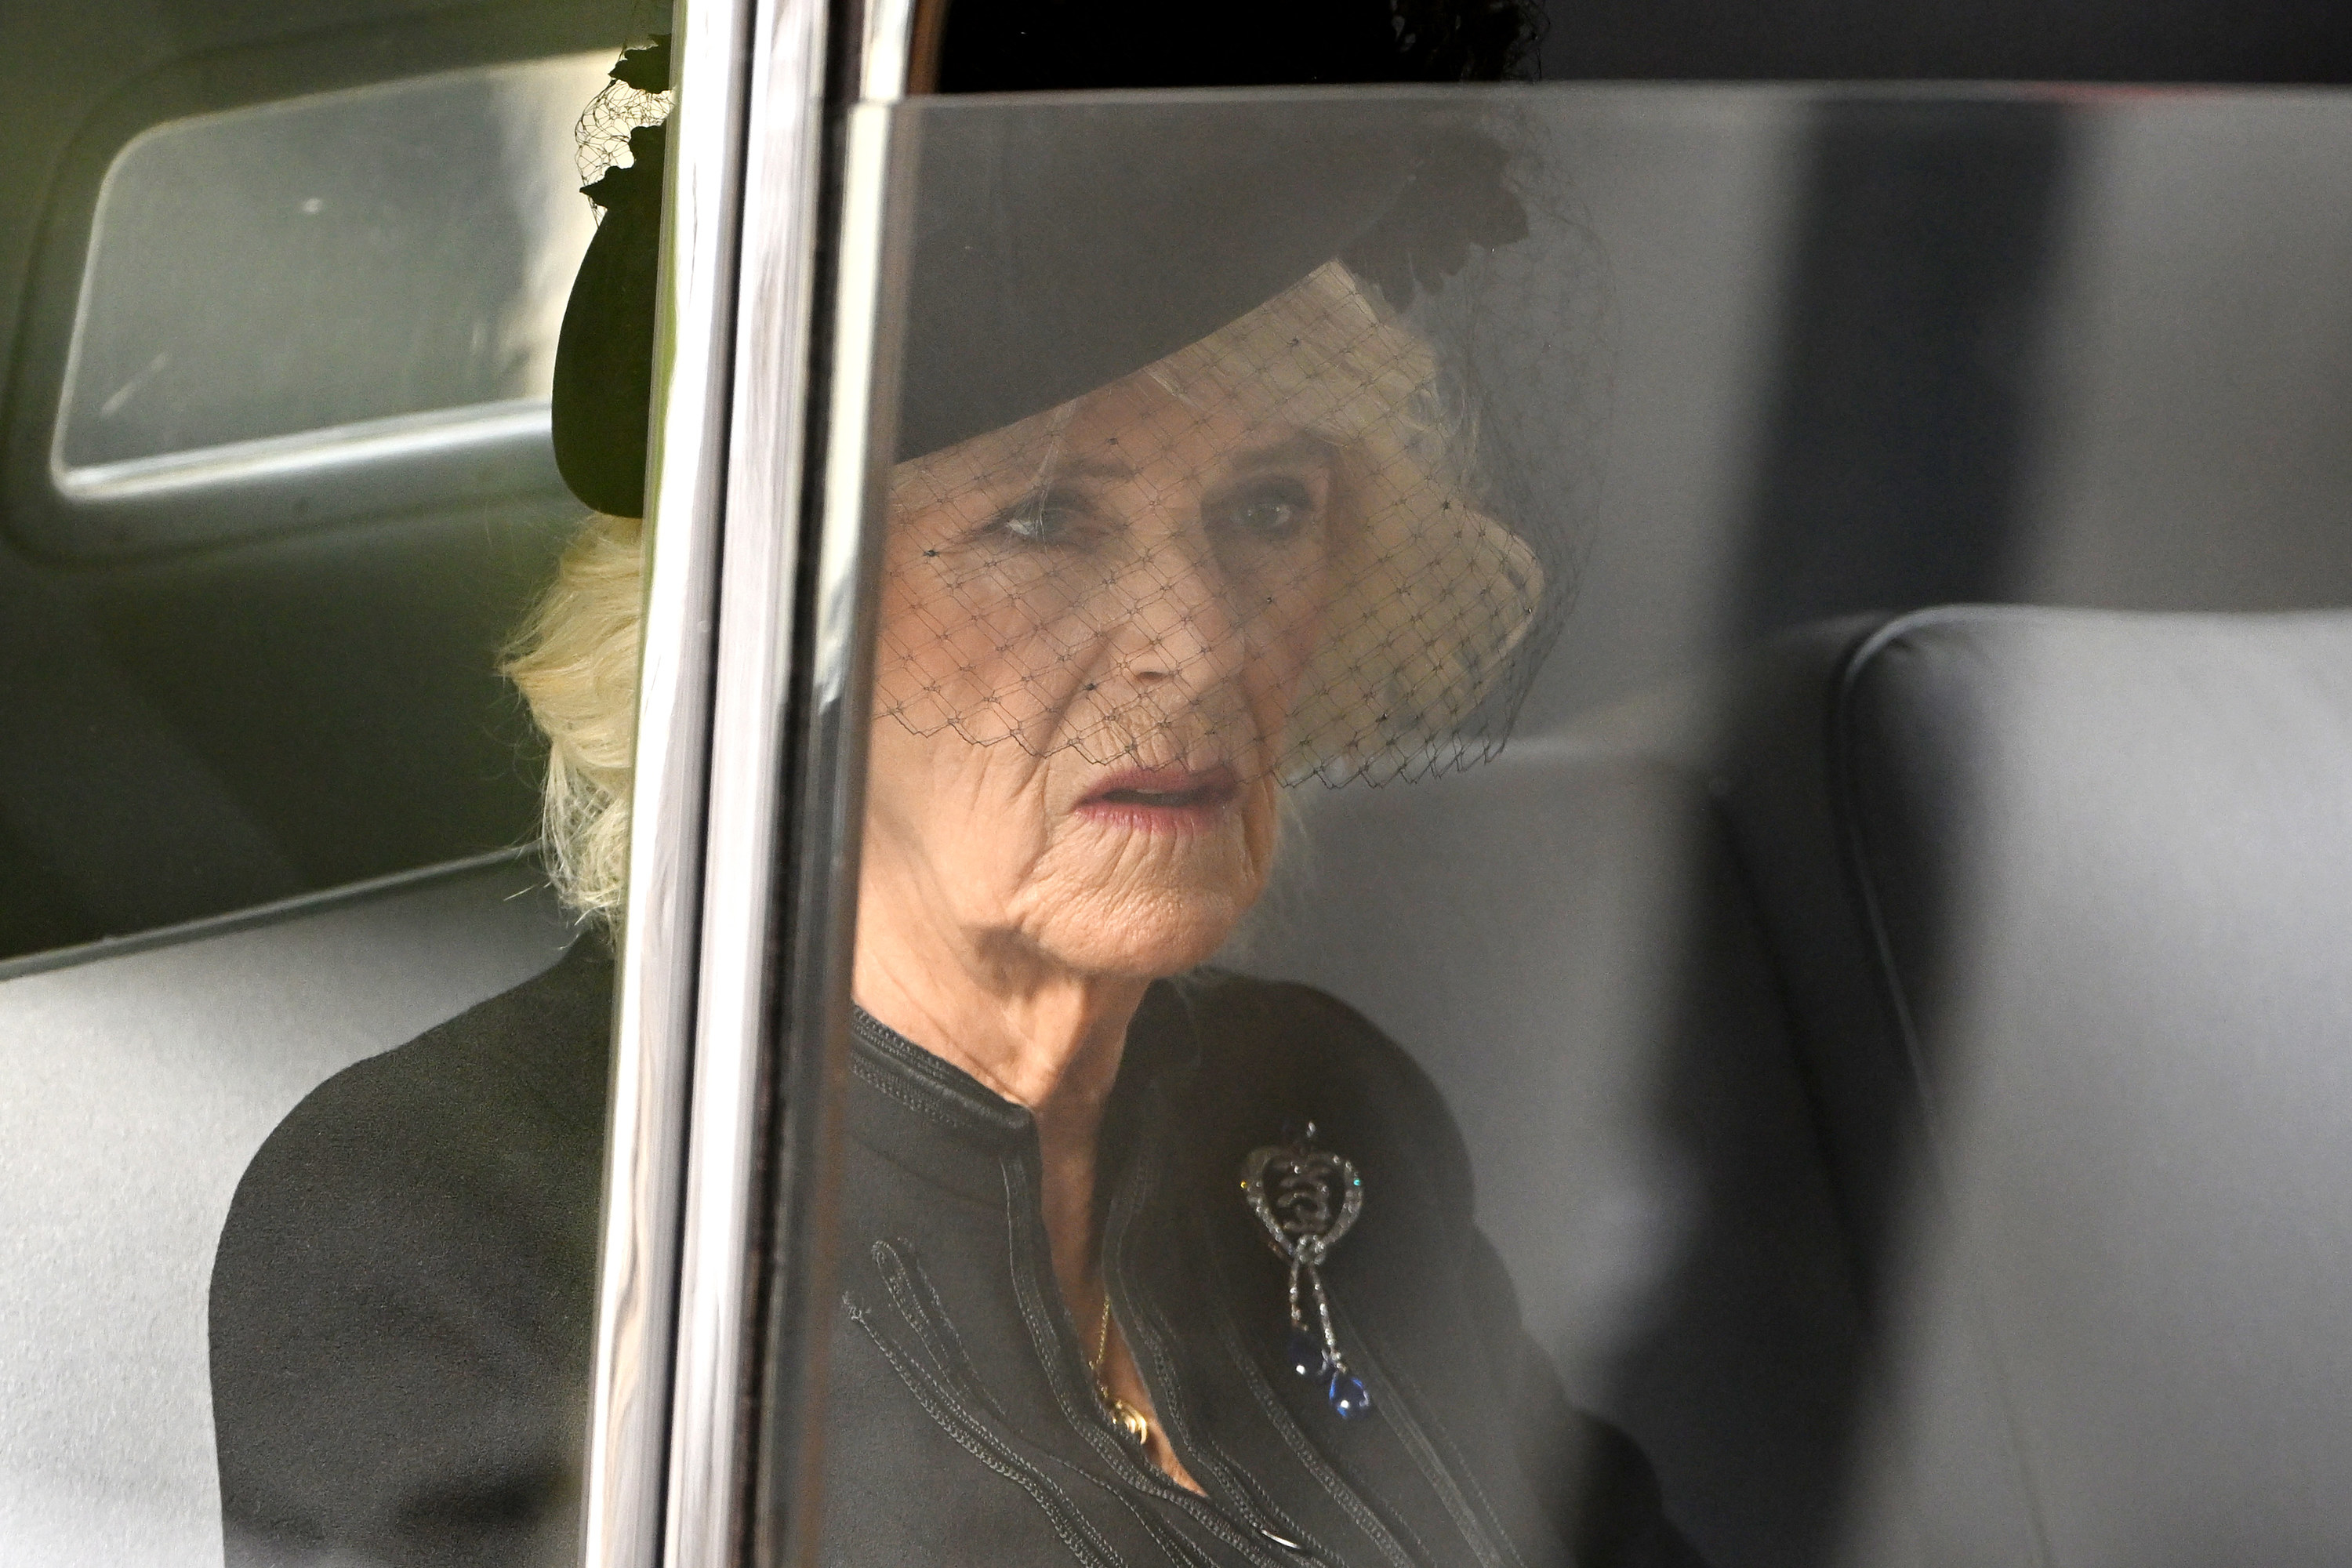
(1306, 1199)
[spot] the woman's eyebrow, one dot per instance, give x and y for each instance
(1305, 446)
(1087, 468)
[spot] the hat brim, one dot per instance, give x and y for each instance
(1057, 247)
(1052, 247)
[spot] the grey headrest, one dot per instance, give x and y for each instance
(2064, 900)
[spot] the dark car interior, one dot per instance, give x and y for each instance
(1936, 1014)
(240, 688)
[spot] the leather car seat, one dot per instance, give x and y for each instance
(142, 1075)
(2060, 901)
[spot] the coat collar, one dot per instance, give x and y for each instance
(918, 1109)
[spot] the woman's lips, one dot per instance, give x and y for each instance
(1176, 800)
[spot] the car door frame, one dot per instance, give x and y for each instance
(731, 986)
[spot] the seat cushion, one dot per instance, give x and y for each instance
(2061, 897)
(141, 1081)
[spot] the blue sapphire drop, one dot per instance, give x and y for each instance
(1348, 1397)
(1304, 1354)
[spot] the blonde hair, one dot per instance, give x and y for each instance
(1433, 595)
(575, 663)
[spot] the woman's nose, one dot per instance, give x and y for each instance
(1177, 627)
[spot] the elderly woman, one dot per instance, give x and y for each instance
(1142, 1262)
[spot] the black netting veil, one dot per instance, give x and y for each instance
(1235, 433)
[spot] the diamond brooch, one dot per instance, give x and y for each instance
(1306, 1199)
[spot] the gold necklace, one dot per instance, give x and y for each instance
(1131, 1423)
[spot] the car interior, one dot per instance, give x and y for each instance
(1914, 892)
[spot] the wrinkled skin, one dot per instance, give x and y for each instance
(1130, 585)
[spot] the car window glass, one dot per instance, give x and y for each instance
(311, 265)
(1592, 824)
(1477, 494)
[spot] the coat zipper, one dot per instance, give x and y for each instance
(1058, 1353)
(1068, 1521)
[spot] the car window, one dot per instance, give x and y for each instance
(1358, 1042)
(298, 287)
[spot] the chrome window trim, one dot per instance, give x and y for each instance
(711, 1296)
(514, 429)
(655, 975)
(888, 51)
(818, 884)
(729, 1139)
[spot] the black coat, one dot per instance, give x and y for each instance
(402, 1311)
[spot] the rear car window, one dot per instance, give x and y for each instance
(290, 308)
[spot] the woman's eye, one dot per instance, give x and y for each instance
(1277, 512)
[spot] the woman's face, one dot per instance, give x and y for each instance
(1093, 627)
